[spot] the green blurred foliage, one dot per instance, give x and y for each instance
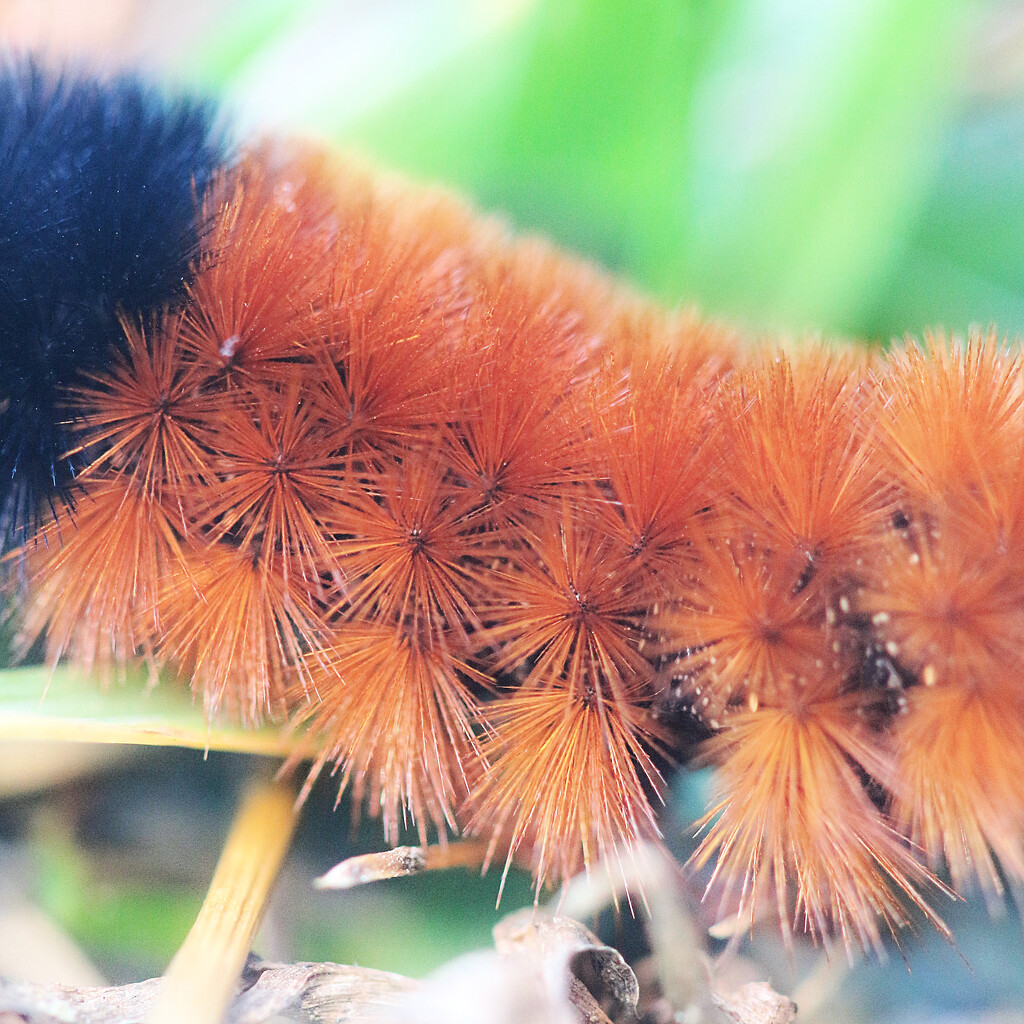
(849, 166)
(131, 926)
(766, 167)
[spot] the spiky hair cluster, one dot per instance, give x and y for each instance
(500, 534)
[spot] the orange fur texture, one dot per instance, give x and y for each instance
(477, 518)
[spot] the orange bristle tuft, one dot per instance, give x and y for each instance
(266, 264)
(274, 468)
(749, 634)
(513, 438)
(568, 781)
(652, 445)
(377, 387)
(235, 625)
(950, 424)
(639, 333)
(959, 765)
(572, 611)
(794, 458)
(793, 815)
(96, 574)
(945, 598)
(390, 336)
(948, 608)
(563, 288)
(140, 417)
(99, 568)
(395, 717)
(403, 554)
(569, 630)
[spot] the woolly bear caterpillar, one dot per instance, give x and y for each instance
(497, 531)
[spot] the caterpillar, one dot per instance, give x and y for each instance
(502, 536)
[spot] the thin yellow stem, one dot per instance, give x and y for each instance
(200, 981)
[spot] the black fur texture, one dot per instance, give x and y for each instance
(98, 217)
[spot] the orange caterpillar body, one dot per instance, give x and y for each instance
(490, 527)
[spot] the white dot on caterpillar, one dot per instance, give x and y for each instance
(892, 648)
(753, 701)
(929, 675)
(228, 346)
(880, 618)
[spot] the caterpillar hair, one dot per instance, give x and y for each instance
(501, 535)
(98, 221)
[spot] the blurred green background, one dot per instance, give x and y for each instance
(846, 167)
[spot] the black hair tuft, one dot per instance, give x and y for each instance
(99, 182)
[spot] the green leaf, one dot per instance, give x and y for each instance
(840, 122)
(66, 704)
